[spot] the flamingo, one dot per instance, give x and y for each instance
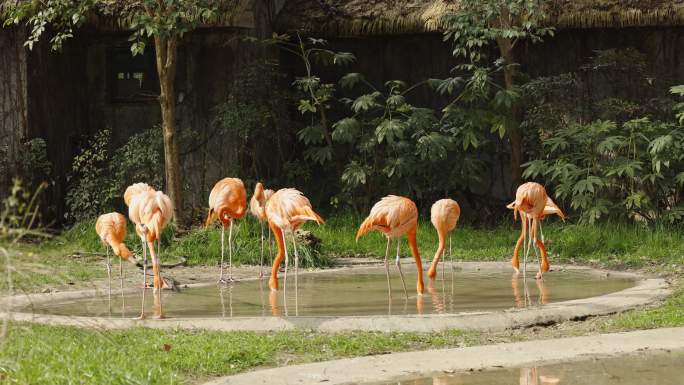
(227, 202)
(129, 194)
(286, 210)
(444, 215)
(257, 205)
(151, 211)
(533, 204)
(111, 228)
(395, 216)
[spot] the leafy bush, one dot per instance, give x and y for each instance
(603, 169)
(99, 178)
(91, 191)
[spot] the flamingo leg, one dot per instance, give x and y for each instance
(296, 256)
(542, 249)
(280, 239)
(261, 264)
(223, 231)
(144, 248)
(398, 263)
(230, 251)
(144, 287)
(123, 300)
(526, 243)
(158, 310)
(109, 279)
(444, 252)
(287, 263)
(389, 286)
(515, 262)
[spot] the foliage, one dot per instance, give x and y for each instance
(19, 213)
(32, 164)
(315, 96)
(603, 169)
(478, 24)
(254, 115)
(394, 146)
(90, 191)
(147, 18)
(141, 158)
(473, 30)
(99, 177)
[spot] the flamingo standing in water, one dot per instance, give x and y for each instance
(257, 205)
(395, 216)
(132, 191)
(444, 215)
(286, 210)
(227, 202)
(533, 204)
(151, 211)
(111, 228)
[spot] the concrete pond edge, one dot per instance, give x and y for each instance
(646, 291)
(397, 366)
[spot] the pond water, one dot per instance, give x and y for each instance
(653, 369)
(353, 292)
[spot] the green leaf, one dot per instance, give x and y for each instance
(346, 130)
(350, 80)
(343, 58)
(389, 130)
(365, 102)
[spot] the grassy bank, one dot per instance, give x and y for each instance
(36, 354)
(613, 245)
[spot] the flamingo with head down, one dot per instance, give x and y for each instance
(257, 206)
(395, 216)
(227, 202)
(533, 204)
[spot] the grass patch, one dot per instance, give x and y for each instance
(615, 245)
(38, 354)
(670, 314)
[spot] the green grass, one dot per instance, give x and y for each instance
(37, 354)
(670, 314)
(609, 245)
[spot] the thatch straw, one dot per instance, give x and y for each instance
(380, 17)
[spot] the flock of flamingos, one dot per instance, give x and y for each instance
(287, 209)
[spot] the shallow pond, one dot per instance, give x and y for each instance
(353, 292)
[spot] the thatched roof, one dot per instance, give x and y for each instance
(379, 17)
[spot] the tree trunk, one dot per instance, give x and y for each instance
(166, 68)
(513, 129)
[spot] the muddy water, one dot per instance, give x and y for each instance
(653, 369)
(353, 292)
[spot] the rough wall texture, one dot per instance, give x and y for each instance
(13, 114)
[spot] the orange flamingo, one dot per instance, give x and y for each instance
(111, 228)
(533, 204)
(395, 216)
(227, 202)
(151, 211)
(257, 205)
(444, 215)
(286, 210)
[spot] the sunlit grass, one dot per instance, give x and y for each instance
(37, 354)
